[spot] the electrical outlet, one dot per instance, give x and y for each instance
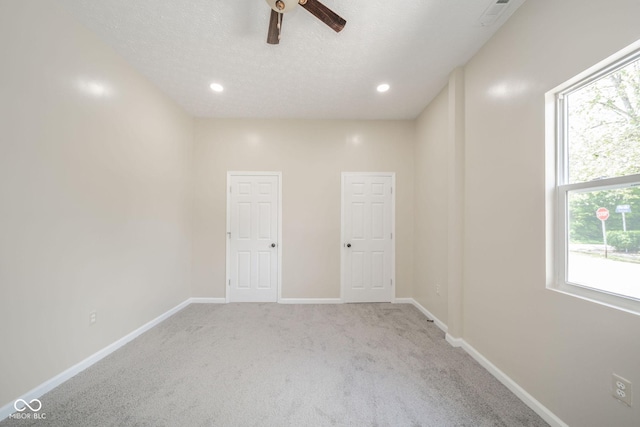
(93, 317)
(438, 289)
(622, 389)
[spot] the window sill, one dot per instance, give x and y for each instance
(628, 305)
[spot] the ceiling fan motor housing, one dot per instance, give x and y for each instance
(282, 6)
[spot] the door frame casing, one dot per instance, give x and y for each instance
(228, 233)
(343, 253)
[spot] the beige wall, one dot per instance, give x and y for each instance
(311, 155)
(94, 200)
(560, 349)
(431, 207)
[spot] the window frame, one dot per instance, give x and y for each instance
(558, 185)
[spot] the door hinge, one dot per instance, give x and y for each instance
(229, 282)
(391, 282)
(230, 189)
(392, 235)
(391, 190)
(229, 234)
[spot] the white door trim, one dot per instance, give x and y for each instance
(227, 237)
(392, 175)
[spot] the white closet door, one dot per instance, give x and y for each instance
(253, 238)
(367, 205)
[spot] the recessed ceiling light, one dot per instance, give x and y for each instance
(383, 87)
(216, 87)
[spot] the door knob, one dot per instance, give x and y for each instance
(273, 245)
(348, 245)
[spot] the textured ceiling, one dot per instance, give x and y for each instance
(184, 45)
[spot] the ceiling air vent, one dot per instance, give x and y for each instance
(493, 12)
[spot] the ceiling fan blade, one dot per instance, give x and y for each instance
(324, 14)
(275, 25)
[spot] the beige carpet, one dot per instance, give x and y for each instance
(286, 365)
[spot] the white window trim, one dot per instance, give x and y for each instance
(557, 189)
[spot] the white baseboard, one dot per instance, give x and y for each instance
(52, 383)
(528, 400)
(439, 323)
(200, 300)
(454, 342)
(310, 301)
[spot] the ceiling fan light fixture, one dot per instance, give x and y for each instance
(282, 6)
(314, 7)
(383, 87)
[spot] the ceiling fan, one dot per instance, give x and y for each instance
(317, 9)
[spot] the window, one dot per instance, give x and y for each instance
(597, 184)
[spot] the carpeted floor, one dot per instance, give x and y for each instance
(286, 365)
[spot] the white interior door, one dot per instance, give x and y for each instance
(253, 237)
(367, 229)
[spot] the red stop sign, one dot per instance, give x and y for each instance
(602, 214)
